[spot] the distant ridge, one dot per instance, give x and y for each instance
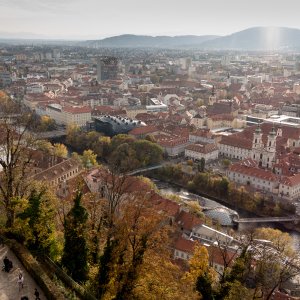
(258, 38)
(133, 41)
(255, 39)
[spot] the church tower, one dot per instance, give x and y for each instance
(257, 145)
(270, 151)
(212, 98)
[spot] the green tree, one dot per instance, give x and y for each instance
(204, 286)
(40, 216)
(119, 139)
(75, 252)
(201, 165)
(147, 153)
(226, 162)
(123, 158)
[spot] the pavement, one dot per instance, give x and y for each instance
(9, 289)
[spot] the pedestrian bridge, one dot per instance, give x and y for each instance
(149, 168)
(295, 219)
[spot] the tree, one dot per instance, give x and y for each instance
(119, 139)
(201, 165)
(226, 163)
(75, 252)
(39, 216)
(147, 153)
(204, 286)
(60, 150)
(123, 159)
(200, 274)
(15, 159)
(89, 158)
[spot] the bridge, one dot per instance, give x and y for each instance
(267, 219)
(149, 168)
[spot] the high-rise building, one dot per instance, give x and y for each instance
(107, 68)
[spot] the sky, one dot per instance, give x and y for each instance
(90, 19)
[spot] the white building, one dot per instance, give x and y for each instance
(198, 151)
(67, 115)
(248, 173)
(289, 187)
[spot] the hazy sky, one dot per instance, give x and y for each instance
(98, 18)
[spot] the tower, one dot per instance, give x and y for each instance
(212, 98)
(257, 145)
(270, 152)
(99, 63)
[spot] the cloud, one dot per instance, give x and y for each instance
(50, 6)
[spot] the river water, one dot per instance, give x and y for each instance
(166, 188)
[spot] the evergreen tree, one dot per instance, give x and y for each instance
(204, 286)
(105, 268)
(75, 254)
(40, 227)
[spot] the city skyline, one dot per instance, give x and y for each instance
(93, 19)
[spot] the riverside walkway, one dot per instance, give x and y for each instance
(295, 219)
(9, 289)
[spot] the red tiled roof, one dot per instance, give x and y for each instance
(143, 130)
(185, 245)
(188, 220)
(291, 180)
(77, 109)
(202, 147)
(237, 141)
(202, 133)
(250, 170)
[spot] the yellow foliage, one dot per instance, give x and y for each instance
(199, 264)
(282, 241)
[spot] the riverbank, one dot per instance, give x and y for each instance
(220, 200)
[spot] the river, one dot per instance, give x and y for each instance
(167, 188)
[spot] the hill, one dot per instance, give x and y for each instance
(258, 38)
(255, 39)
(144, 41)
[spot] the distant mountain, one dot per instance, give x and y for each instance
(134, 41)
(257, 38)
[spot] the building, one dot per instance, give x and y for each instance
(113, 125)
(263, 143)
(289, 187)
(5, 78)
(201, 135)
(196, 152)
(249, 174)
(173, 146)
(67, 115)
(107, 68)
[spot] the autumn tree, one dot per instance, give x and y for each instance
(39, 216)
(276, 261)
(89, 158)
(200, 274)
(60, 150)
(15, 158)
(123, 159)
(147, 153)
(75, 252)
